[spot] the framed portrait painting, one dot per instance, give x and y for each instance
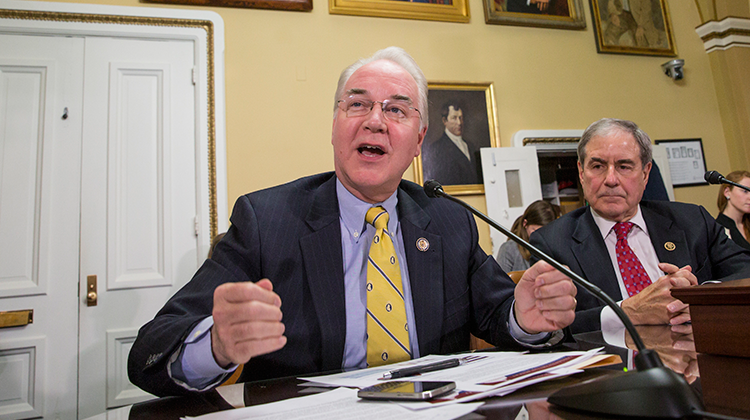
(295, 5)
(560, 14)
(441, 10)
(639, 27)
(461, 121)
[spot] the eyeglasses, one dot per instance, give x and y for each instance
(394, 110)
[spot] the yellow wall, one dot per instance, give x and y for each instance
(282, 68)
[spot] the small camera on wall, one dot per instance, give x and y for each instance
(673, 68)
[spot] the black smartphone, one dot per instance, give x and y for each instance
(409, 391)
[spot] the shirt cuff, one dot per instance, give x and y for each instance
(613, 330)
(539, 340)
(193, 366)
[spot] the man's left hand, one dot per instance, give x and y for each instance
(545, 299)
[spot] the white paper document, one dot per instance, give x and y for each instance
(338, 404)
(480, 375)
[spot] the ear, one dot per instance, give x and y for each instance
(646, 172)
(580, 172)
(420, 140)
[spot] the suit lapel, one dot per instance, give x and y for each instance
(323, 260)
(665, 235)
(591, 253)
(425, 272)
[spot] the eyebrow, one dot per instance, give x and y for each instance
(621, 161)
(357, 91)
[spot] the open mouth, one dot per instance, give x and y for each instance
(371, 150)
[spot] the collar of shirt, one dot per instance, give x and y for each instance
(353, 210)
(459, 142)
(606, 226)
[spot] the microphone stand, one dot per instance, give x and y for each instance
(713, 177)
(652, 391)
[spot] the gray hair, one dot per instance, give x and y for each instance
(400, 57)
(605, 126)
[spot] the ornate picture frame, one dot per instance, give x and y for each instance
(558, 14)
(293, 5)
(471, 116)
(440, 10)
(641, 28)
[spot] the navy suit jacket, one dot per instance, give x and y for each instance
(447, 164)
(575, 241)
(291, 234)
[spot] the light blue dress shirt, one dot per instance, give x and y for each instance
(193, 365)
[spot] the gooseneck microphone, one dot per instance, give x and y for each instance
(652, 391)
(713, 177)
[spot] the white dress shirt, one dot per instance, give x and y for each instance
(459, 142)
(642, 247)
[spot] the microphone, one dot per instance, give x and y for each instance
(652, 391)
(713, 177)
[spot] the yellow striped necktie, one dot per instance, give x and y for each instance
(387, 331)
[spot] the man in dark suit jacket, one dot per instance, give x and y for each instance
(444, 161)
(684, 236)
(286, 281)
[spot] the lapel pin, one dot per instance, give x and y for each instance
(669, 246)
(423, 244)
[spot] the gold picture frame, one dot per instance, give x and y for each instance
(441, 159)
(450, 11)
(294, 5)
(558, 14)
(640, 30)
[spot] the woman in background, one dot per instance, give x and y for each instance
(511, 256)
(734, 208)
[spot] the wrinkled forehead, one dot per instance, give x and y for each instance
(382, 79)
(614, 145)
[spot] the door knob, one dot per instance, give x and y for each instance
(91, 296)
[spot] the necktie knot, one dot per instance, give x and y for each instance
(622, 229)
(378, 217)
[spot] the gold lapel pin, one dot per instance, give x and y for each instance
(423, 244)
(669, 246)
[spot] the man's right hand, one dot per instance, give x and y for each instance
(655, 305)
(247, 322)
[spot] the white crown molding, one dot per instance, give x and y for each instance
(724, 34)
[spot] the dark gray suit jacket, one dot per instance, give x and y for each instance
(447, 164)
(291, 234)
(575, 240)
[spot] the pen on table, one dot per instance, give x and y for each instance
(416, 370)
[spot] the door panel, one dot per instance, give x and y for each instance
(511, 183)
(40, 77)
(139, 201)
(138, 172)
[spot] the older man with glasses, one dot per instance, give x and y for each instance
(347, 269)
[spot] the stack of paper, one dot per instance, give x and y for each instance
(479, 376)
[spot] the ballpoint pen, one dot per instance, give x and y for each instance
(416, 370)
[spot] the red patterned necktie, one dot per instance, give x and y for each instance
(633, 274)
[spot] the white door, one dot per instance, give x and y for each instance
(511, 183)
(139, 202)
(97, 178)
(40, 155)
